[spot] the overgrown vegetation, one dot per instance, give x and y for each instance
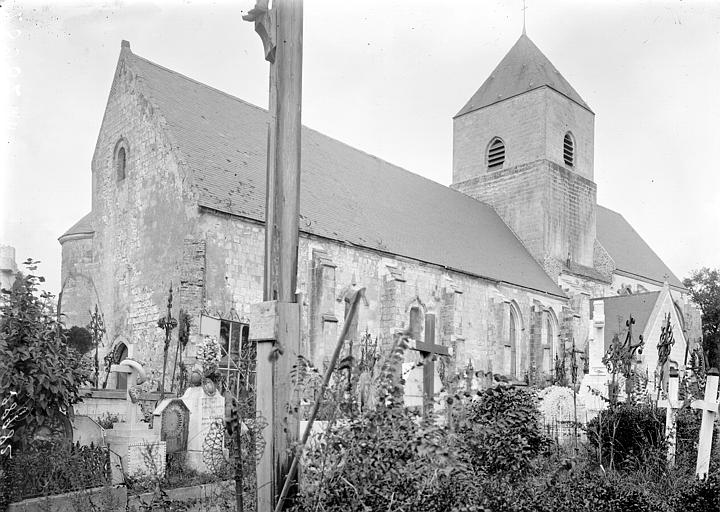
(37, 367)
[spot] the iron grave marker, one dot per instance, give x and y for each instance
(174, 420)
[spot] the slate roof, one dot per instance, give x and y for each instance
(346, 194)
(82, 227)
(629, 251)
(523, 69)
(618, 309)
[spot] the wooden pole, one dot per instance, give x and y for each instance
(280, 29)
(316, 407)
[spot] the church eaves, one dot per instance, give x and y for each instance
(523, 69)
(346, 195)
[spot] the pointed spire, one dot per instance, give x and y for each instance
(523, 69)
(524, 32)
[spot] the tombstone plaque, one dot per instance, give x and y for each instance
(174, 418)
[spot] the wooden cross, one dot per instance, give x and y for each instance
(671, 405)
(429, 351)
(709, 407)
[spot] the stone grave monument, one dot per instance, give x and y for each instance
(206, 406)
(594, 385)
(173, 416)
(136, 442)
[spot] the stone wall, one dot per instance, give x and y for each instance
(463, 305)
(78, 286)
(532, 125)
(141, 221)
(551, 209)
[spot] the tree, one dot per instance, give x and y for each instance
(35, 360)
(80, 339)
(704, 286)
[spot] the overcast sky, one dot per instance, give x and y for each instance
(386, 77)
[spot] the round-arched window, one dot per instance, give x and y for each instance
(496, 153)
(569, 149)
(120, 160)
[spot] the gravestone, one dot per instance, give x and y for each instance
(205, 409)
(87, 431)
(146, 458)
(173, 416)
(594, 385)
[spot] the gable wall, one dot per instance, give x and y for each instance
(140, 222)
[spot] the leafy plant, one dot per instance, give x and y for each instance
(501, 430)
(627, 434)
(35, 361)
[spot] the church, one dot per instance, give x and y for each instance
(505, 267)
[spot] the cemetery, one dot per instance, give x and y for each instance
(297, 349)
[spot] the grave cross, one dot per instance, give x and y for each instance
(671, 405)
(168, 323)
(709, 407)
(429, 351)
(97, 329)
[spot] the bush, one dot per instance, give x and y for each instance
(387, 459)
(627, 434)
(501, 430)
(35, 361)
(700, 496)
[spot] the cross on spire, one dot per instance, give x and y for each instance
(523, 10)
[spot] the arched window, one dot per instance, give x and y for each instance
(119, 354)
(416, 323)
(549, 344)
(513, 340)
(569, 149)
(496, 153)
(121, 154)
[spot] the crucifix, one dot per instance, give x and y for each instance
(275, 323)
(671, 405)
(168, 323)
(97, 329)
(429, 350)
(709, 407)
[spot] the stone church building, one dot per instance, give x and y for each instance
(502, 266)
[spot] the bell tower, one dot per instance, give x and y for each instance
(524, 144)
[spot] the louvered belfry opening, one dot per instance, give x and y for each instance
(569, 150)
(496, 153)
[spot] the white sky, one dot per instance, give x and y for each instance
(386, 77)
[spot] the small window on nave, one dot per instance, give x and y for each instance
(120, 163)
(496, 153)
(569, 149)
(416, 323)
(513, 334)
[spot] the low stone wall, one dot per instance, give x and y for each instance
(206, 498)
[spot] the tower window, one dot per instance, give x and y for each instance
(496, 153)
(569, 149)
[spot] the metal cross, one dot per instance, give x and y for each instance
(667, 340)
(619, 357)
(168, 323)
(523, 10)
(97, 329)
